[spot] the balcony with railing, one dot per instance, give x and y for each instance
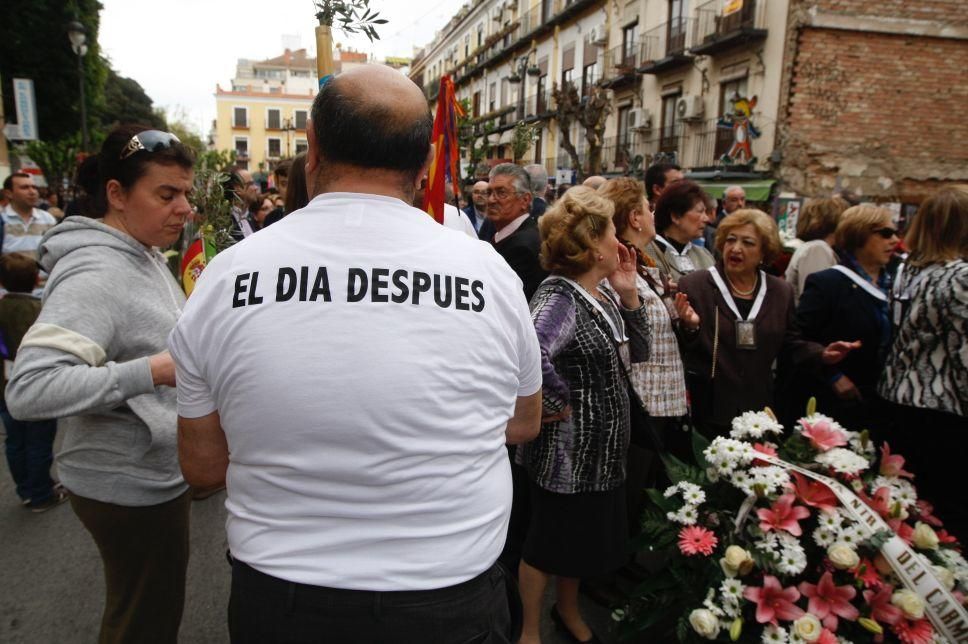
(716, 32)
(666, 47)
(620, 64)
(538, 105)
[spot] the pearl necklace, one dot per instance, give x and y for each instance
(739, 292)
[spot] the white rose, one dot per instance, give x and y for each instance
(705, 623)
(924, 537)
(808, 628)
(945, 576)
(736, 561)
(909, 602)
(842, 556)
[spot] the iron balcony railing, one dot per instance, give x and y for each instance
(670, 40)
(714, 31)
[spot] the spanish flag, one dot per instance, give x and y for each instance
(193, 263)
(447, 152)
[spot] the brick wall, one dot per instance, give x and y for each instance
(882, 112)
(951, 11)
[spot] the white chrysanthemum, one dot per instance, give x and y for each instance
(769, 542)
(688, 515)
(852, 535)
(824, 537)
(754, 424)
(775, 635)
(829, 520)
(856, 444)
(726, 454)
(843, 460)
(956, 563)
(792, 562)
(710, 604)
(742, 480)
(773, 479)
(732, 590)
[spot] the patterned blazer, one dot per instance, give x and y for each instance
(928, 366)
(581, 368)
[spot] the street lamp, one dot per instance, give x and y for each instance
(518, 74)
(78, 37)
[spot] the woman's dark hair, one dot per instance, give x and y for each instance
(297, 193)
(677, 199)
(96, 170)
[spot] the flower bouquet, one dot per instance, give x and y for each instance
(813, 536)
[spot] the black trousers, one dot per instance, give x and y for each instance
(267, 610)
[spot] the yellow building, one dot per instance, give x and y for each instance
(263, 116)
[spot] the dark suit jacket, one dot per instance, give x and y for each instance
(538, 207)
(744, 378)
(472, 215)
(520, 251)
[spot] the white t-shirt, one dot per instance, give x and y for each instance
(454, 218)
(364, 407)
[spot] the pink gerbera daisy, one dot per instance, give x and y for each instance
(696, 540)
(916, 632)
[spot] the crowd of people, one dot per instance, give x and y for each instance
(436, 421)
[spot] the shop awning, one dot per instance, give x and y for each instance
(755, 190)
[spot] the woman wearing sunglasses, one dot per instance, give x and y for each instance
(850, 302)
(96, 359)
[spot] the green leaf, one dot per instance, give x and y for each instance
(699, 445)
(679, 471)
(660, 501)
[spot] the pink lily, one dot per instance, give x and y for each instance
(822, 436)
(880, 503)
(783, 516)
(828, 601)
(892, 465)
(773, 601)
(826, 637)
(814, 493)
(926, 513)
(882, 610)
(902, 529)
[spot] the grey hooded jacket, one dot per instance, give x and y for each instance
(109, 304)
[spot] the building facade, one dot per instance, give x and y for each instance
(263, 116)
(809, 94)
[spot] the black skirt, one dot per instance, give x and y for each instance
(577, 535)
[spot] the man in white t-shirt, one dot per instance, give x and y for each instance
(355, 371)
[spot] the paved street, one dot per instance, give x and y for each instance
(53, 588)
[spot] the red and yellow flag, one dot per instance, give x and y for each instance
(193, 263)
(447, 151)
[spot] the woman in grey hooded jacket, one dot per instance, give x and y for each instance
(96, 359)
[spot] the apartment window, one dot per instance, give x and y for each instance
(624, 138)
(567, 65)
(676, 36)
(547, 9)
(242, 147)
(480, 34)
(505, 90)
(542, 102)
(476, 105)
(670, 125)
(275, 90)
(301, 146)
(274, 147)
(467, 45)
(240, 117)
(300, 116)
(538, 144)
(728, 91)
(273, 118)
(629, 38)
(589, 76)
(492, 98)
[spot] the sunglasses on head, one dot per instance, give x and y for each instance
(149, 140)
(886, 232)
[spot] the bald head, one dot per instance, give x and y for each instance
(372, 117)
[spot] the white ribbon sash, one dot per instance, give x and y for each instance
(945, 613)
(684, 263)
(618, 334)
(731, 303)
(861, 282)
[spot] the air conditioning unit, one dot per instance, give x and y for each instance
(690, 108)
(598, 36)
(640, 119)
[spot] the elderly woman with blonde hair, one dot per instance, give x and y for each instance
(590, 323)
(926, 372)
(850, 302)
(747, 321)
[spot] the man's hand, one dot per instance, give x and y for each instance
(845, 389)
(162, 369)
(837, 351)
(526, 421)
(203, 452)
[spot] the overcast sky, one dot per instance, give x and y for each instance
(178, 50)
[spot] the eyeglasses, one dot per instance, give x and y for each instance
(150, 140)
(886, 232)
(500, 194)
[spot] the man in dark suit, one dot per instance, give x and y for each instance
(539, 183)
(475, 209)
(516, 236)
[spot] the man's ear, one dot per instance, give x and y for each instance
(425, 168)
(312, 158)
